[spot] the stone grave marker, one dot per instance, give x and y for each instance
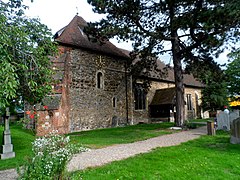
(223, 122)
(233, 115)
(114, 121)
(235, 131)
(7, 147)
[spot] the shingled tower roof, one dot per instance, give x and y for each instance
(73, 35)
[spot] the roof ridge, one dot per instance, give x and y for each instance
(72, 35)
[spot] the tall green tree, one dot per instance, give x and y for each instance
(209, 72)
(191, 27)
(214, 96)
(25, 47)
(233, 73)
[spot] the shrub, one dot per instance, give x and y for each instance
(51, 155)
(189, 125)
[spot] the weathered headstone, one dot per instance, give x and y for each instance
(114, 121)
(7, 147)
(223, 122)
(233, 115)
(235, 131)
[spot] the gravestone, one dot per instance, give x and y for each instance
(235, 131)
(7, 147)
(114, 121)
(223, 122)
(233, 115)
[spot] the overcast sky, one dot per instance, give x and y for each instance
(58, 13)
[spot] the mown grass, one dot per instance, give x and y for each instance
(195, 123)
(201, 120)
(21, 140)
(209, 157)
(105, 137)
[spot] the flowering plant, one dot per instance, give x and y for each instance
(29, 120)
(31, 117)
(45, 107)
(50, 156)
(31, 114)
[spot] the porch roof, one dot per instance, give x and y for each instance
(164, 96)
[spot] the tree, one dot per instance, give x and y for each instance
(214, 96)
(209, 72)
(25, 47)
(192, 27)
(233, 73)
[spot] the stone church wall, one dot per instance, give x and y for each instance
(92, 107)
(196, 103)
(85, 106)
(144, 116)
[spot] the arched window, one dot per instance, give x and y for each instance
(189, 102)
(100, 80)
(140, 97)
(114, 102)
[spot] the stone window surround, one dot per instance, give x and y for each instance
(189, 102)
(114, 102)
(99, 80)
(140, 98)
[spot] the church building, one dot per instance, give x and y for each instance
(93, 88)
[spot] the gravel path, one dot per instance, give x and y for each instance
(106, 155)
(10, 174)
(99, 157)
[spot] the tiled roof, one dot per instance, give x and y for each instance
(73, 35)
(52, 101)
(164, 96)
(188, 79)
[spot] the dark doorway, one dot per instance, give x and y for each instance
(160, 111)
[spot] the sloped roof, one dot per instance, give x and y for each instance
(52, 101)
(188, 79)
(164, 96)
(73, 35)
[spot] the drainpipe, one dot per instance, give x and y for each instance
(131, 99)
(126, 88)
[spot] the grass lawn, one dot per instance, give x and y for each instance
(195, 123)
(105, 137)
(201, 120)
(21, 139)
(209, 157)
